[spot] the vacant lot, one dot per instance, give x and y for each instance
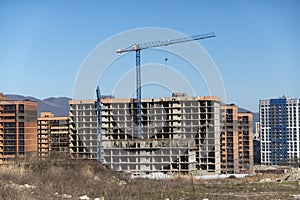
(73, 179)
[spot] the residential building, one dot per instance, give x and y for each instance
(180, 134)
(279, 130)
(53, 136)
(236, 140)
(18, 130)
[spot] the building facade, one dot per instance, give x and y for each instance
(236, 140)
(83, 121)
(279, 130)
(53, 136)
(179, 134)
(18, 130)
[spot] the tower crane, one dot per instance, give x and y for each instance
(137, 48)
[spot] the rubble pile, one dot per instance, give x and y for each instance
(286, 173)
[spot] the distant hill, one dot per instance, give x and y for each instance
(57, 105)
(243, 110)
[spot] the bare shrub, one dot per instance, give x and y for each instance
(50, 179)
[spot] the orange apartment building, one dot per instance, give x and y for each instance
(236, 140)
(53, 136)
(18, 130)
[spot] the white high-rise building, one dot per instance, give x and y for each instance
(279, 130)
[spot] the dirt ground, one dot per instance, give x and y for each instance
(87, 180)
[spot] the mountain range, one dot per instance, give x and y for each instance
(57, 105)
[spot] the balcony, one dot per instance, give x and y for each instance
(7, 114)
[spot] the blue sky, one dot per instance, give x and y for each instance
(257, 48)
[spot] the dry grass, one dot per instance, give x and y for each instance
(50, 180)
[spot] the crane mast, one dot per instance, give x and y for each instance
(99, 126)
(138, 126)
(137, 48)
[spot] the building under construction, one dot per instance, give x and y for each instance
(18, 130)
(179, 134)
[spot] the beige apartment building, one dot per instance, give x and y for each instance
(53, 136)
